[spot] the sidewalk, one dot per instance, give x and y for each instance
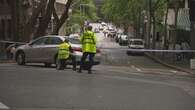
(169, 61)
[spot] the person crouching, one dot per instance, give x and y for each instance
(64, 53)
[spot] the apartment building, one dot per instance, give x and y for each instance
(183, 23)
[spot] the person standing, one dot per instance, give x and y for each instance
(88, 41)
(64, 53)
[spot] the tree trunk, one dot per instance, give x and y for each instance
(43, 26)
(175, 27)
(125, 26)
(30, 26)
(154, 33)
(149, 23)
(63, 18)
(165, 30)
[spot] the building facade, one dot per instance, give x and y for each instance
(183, 24)
(6, 20)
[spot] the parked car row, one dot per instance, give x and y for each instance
(134, 44)
(45, 49)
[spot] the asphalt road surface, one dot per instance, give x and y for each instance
(35, 87)
(121, 82)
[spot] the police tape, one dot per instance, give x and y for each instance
(149, 50)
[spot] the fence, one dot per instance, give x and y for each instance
(4, 45)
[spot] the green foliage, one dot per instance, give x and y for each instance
(81, 10)
(128, 11)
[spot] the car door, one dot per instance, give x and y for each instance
(33, 52)
(51, 48)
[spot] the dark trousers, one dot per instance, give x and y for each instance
(63, 62)
(74, 63)
(91, 60)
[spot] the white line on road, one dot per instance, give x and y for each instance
(138, 69)
(2, 106)
(174, 71)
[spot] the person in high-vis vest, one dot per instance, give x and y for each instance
(88, 41)
(64, 53)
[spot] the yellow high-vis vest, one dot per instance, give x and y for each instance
(88, 41)
(64, 51)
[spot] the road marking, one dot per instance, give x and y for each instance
(2, 106)
(138, 69)
(174, 71)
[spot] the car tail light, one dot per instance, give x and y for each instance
(77, 49)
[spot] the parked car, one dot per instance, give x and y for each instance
(74, 36)
(101, 28)
(111, 33)
(45, 49)
(135, 44)
(103, 24)
(96, 30)
(123, 40)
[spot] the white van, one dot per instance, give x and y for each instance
(136, 44)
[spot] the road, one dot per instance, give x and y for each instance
(121, 82)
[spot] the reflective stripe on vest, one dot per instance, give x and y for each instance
(88, 38)
(63, 51)
(88, 42)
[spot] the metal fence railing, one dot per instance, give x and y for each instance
(5, 47)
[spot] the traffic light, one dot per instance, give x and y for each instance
(192, 10)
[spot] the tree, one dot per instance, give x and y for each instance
(130, 12)
(42, 13)
(29, 27)
(46, 18)
(123, 12)
(157, 15)
(83, 10)
(63, 18)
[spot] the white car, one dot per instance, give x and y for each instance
(136, 44)
(123, 39)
